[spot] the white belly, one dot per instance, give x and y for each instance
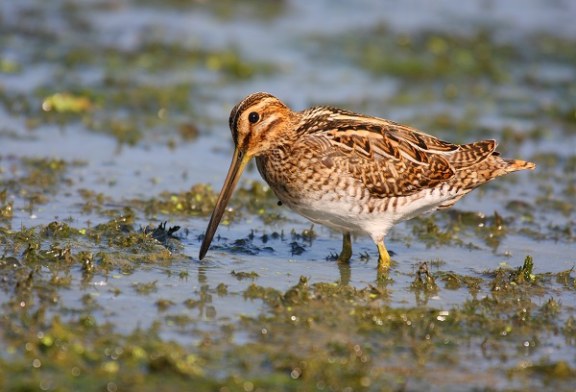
(348, 214)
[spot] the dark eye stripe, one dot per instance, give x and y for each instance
(243, 105)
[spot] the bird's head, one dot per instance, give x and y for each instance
(259, 123)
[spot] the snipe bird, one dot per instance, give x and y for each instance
(352, 172)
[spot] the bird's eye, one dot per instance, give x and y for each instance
(253, 117)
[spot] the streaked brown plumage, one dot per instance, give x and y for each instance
(352, 172)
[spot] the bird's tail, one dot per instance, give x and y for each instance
(513, 165)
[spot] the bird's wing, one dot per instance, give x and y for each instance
(388, 158)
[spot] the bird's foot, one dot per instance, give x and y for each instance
(346, 253)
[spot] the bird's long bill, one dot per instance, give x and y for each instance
(239, 161)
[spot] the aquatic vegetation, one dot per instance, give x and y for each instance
(66, 103)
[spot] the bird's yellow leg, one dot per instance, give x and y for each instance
(383, 256)
(346, 253)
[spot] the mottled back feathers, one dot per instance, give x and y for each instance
(390, 159)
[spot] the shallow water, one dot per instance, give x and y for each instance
(152, 70)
